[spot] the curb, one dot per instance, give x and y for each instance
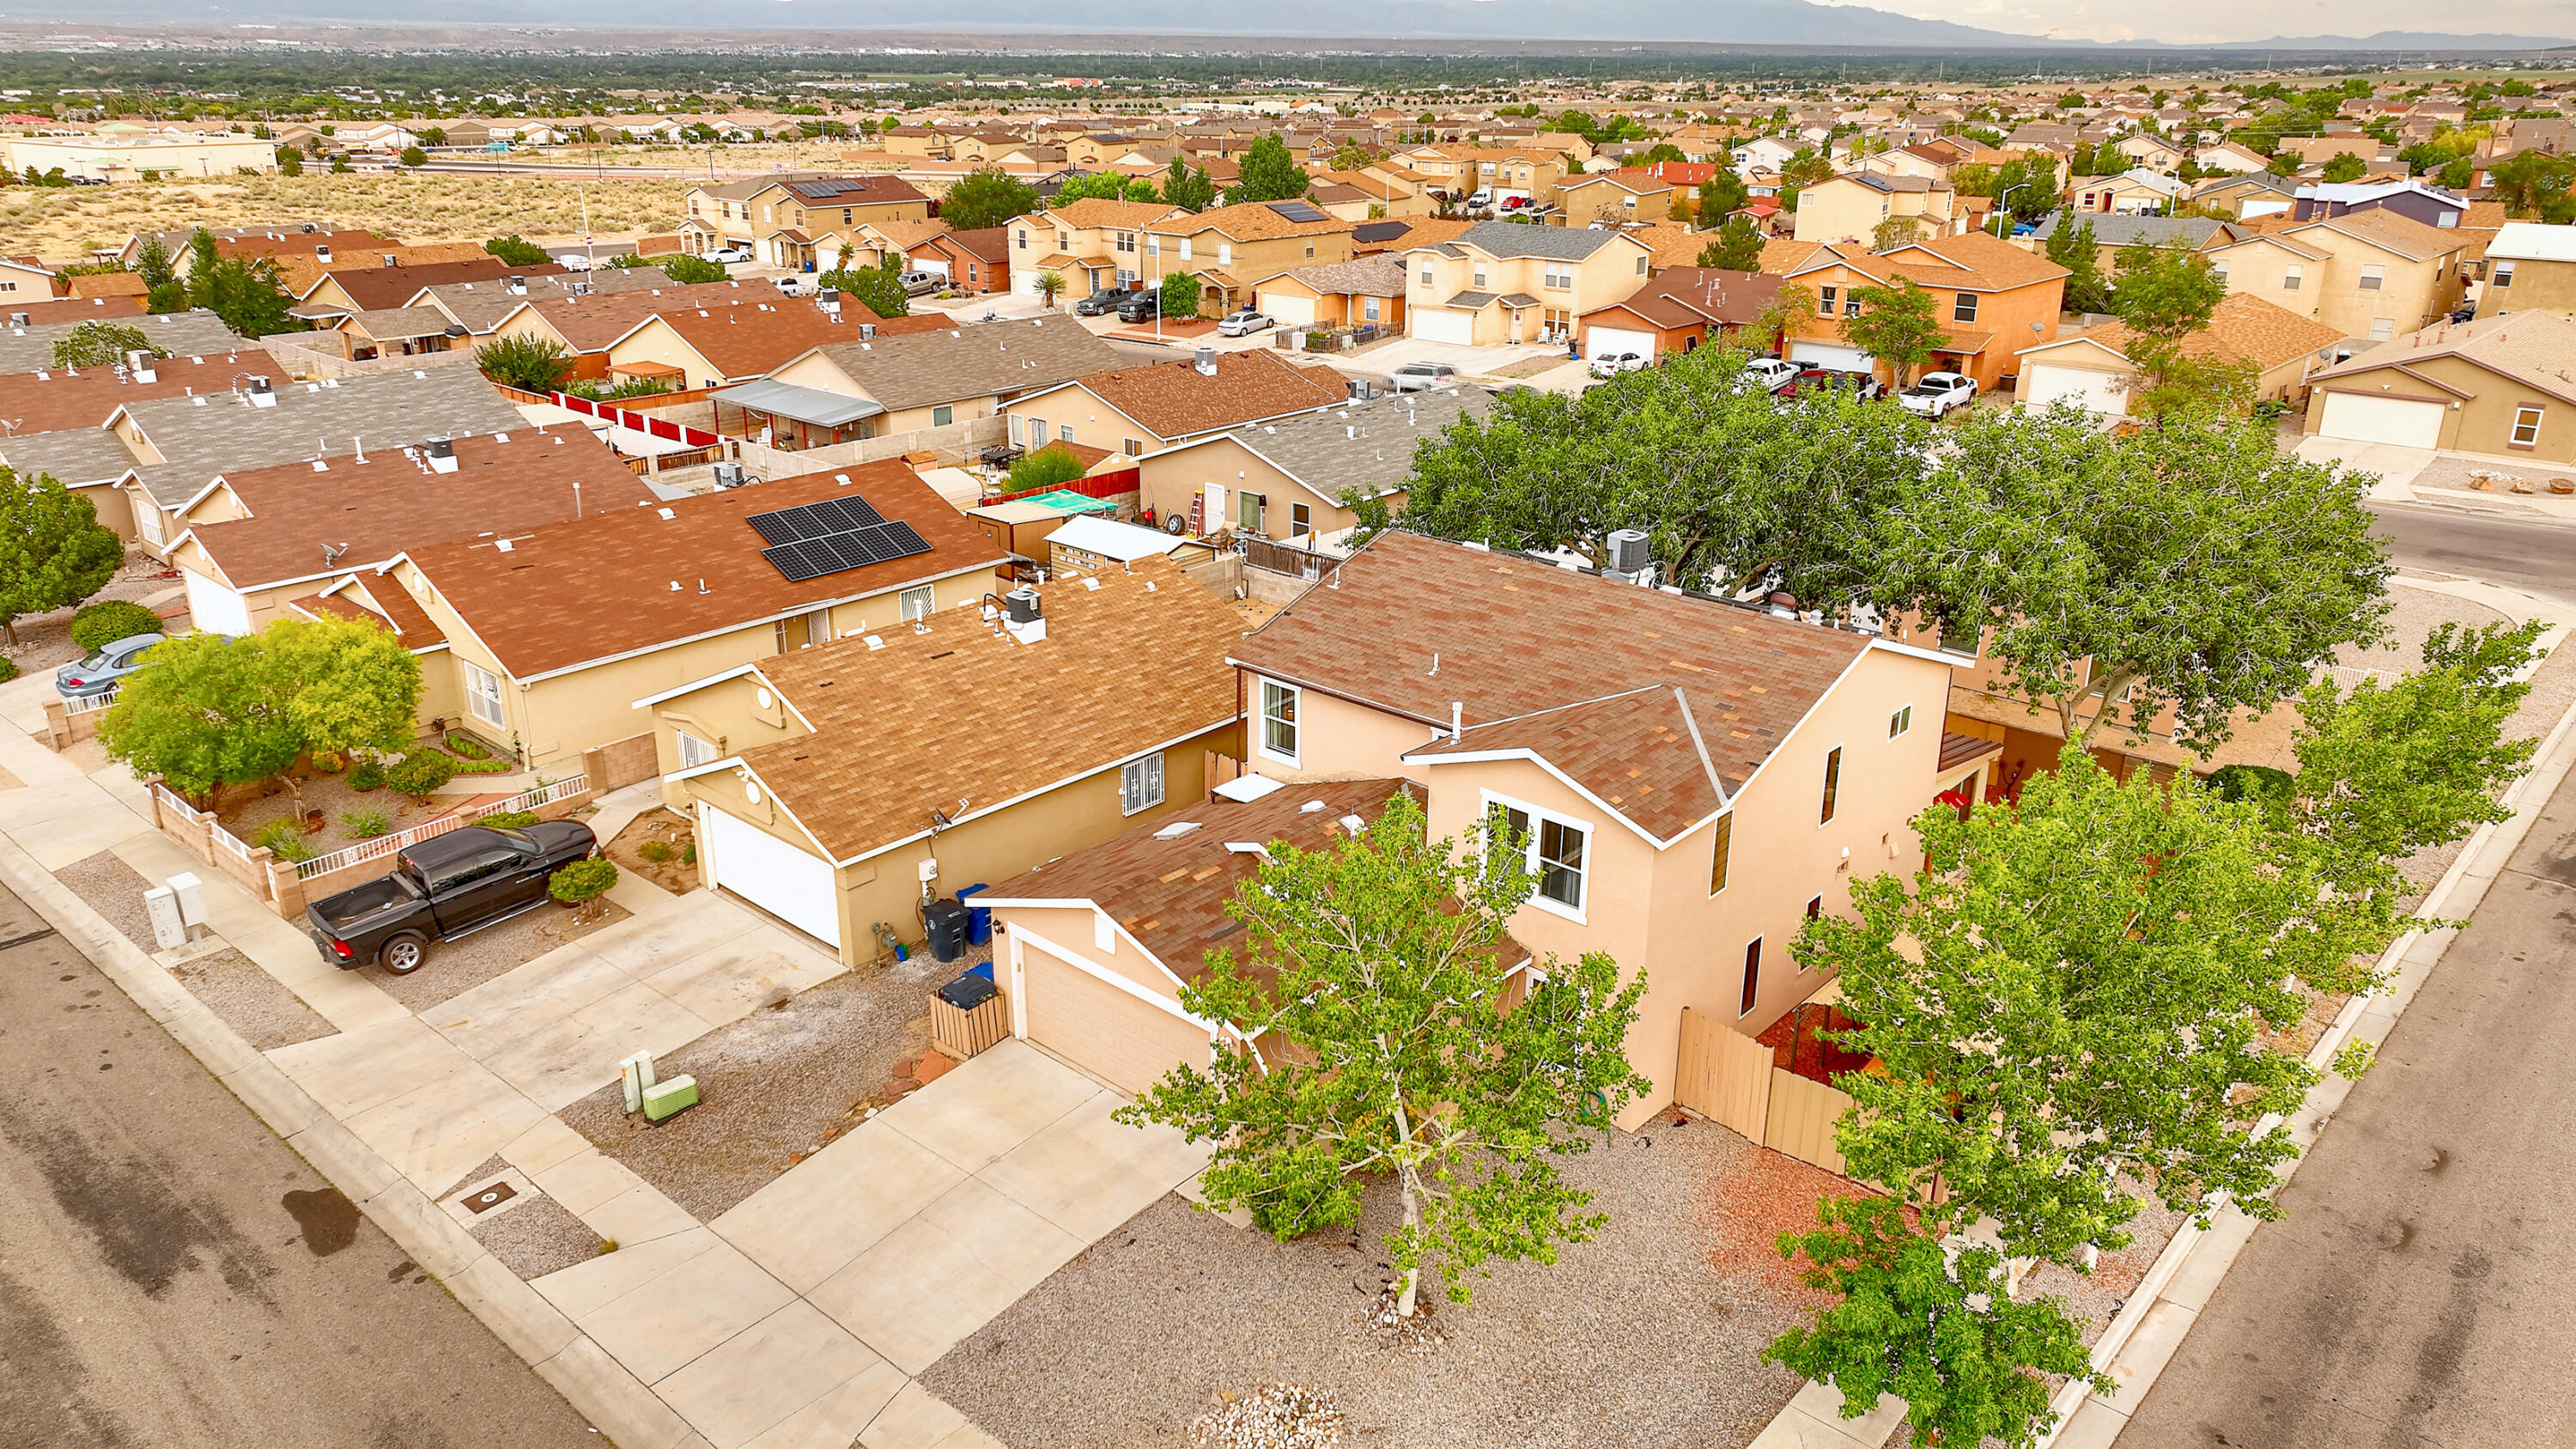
(2144, 1335)
(626, 1412)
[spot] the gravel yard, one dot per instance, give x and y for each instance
(773, 1086)
(232, 985)
(456, 967)
(533, 1235)
(670, 829)
(1648, 1337)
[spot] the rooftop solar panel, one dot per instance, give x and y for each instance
(813, 520)
(874, 543)
(1296, 211)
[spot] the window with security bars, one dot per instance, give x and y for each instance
(1140, 784)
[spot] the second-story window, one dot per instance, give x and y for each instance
(1279, 720)
(1833, 781)
(1824, 301)
(1965, 309)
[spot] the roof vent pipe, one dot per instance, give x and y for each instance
(1457, 720)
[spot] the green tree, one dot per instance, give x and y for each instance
(1737, 247)
(1180, 301)
(1896, 325)
(53, 550)
(290, 162)
(1895, 231)
(2193, 566)
(249, 294)
(527, 362)
(1719, 197)
(2344, 166)
(2165, 297)
(2026, 187)
(2072, 246)
(518, 251)
(2534, 183)
(1050, 286)
(1381, 957)
(1046, 468)
(1806, 168)
(690, 270)
(433, 136)
(878, 288)
(1187, 187)
(340, 163)
(152, 263)
(1268, 173)
(1105, 184)
(414, 157)
(100, 344)
(1932, 1327)
(989, 197)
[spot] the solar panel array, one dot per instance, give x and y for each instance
(1297, 211)
(815, 539)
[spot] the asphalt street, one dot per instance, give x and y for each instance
(2535, 555)
(172, 1276)
(2417, 1292)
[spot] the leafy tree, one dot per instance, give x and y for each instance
(414, 157)
(1895, 231)
(1789, 309)
(1046, 468)
(989, 197)
(2164, 297)
(1806, 168)
(1720, 196)
(340, 163)
(1737, 246)
(1108, 185)
(2535, 183)
(2073, 247)
(2344, 166)
(1180, 301)
(1381, 958)
(1268, 173)
(1187, 187)
(345, 684)
(53, 550)
(100, 344)
(878, 288)
(152, 263)
(290, 162)
(1935, 1328)
(2026, 188)
(249, 294)
(526, 362)
(1050, 286)
(518, 251)
(433, 136)
(1896, 325)
(2195, 565)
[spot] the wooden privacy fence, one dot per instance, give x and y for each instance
(1729, 1078)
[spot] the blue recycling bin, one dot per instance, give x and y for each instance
(981, 968)
(979, 919)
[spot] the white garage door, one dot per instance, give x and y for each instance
(2403, 422)
(214, 608)
(770, 873)
(1444, 324)
(1602, 341)
(1103, 1030)
(1829, 354)
(1288, 309)
(2085, 387)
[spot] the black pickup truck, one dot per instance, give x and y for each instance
(443, 887)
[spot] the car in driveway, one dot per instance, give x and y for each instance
(1243, 324)
(1610, 364)
(102, 669)
(1828, 379)
(1102, 301)
(729, 256)
(917, 283)
(1770, 372)
(1936, 393)
(1417, 376)
(1141, 307)
(442, 888)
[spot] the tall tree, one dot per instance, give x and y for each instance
(2195, 567)
(249, 294)
(1896, 325)
(102, 344)
(2071, 245)
(985, 198)
(54, 552)
(2344, 166)
(1382, 957)
(1737, 246)
(1268, 173)
(1719, 197)
(2164, 297)
(1188, 187)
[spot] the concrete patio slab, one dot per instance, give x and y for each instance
(1087, 1174)
(755, 1380)
(834, 1420)
(992, 1104)
(669, 1321)
(585, 1288)
(943, 1274)
(835, 1205)
(639, 1216)
(738, 977)
(917, 1419)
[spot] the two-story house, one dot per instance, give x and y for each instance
(777, 217)
(2530, 268)
(2370, 274)
(1990, 297)
(1852, 207)
(1503, 282)
(1229, 248)
(1089, 245)
(1612, 199)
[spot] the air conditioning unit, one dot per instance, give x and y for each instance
(1629, 555)
(731, 475)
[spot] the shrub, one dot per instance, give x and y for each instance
(284, 839)
(420, 774)
(109, 620)
(582, 881)
(461, 743)
(8, 669)
(1045, 468)
(688, 852)
(509, 819)
(656, 851)
(364, 824)
(688, 270)
(528, 363)
(518, 251)
(368, 775)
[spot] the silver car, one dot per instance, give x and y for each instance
(1418, 376)
(104, 668)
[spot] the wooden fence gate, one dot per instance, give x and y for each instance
(1723, 1075)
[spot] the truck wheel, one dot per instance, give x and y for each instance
(403, 954)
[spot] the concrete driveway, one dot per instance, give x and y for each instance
(1474, 361)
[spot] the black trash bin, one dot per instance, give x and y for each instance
(946, 921)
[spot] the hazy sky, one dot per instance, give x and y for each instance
(2189, 21)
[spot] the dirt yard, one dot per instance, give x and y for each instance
(45, 640)
(64, 224)
(677, 871)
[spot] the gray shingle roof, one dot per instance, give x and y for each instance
(199, 437)
(1519, 239)
(2114, 230)
(480, 306)
(75, 456)
(184, 334)
(918, 369)
(1364, 445)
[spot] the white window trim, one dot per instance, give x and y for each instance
(690, 758)
(479, 680)
(1261, 720)
(1488, 799)
(1900, 721)
(1153, 779)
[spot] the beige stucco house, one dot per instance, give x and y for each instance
(2496, 386)
(2368, 274)
(1500, 281)
(1287, 479)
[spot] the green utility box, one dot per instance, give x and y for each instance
(670, 1098)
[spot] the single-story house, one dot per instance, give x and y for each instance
(2496, 385)
(2092, 367)
(1680, 310)
(1285, 480)
(1365, 291)
(1140, 410)
(876, 382)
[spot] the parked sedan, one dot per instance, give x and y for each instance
(729, 256)
(1938, 393)
(1243, 324)
(1420, 376)
(104, 668)
(1610, 364)
(1104, 300)
(1826, 379)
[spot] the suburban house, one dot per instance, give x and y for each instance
(38, 311)
(2136, 192)
(2497, 385)
(554, 631)
(587, 324)
(1362, 292)
(2369, 274)
(1140, 410)
(193, 333)
(864, 387)
(2530, 268)
(1501, 281)
(1634, 739)
(344, 291)
(255, 538)
(1613, 199)
(1681, 310)
(481, 307)
(1226, 247)
(974, 262)
(741, 337)
(58, 420)
(2411, 199)
(776, 217)
(2231, 158)
(830, 790)
(1851, 207)
(1090, 245)
(1286, 480)
(2115, 231)
(1988, 295)
(2248, 197)
(2092, 367)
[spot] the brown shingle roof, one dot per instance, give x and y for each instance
(1135, 663)
(2536, 349)
(108, 284)
(353, 598)
(33, 405)
(1685, 296)
(946, 364)
(1176, 400)
(1251, 221)
(1648, 699)
(374, 289)
(1099, 211)
(590, 323)
(2242, 328)
(366, 512)
(747, 336)
(570, 594)
(2381, 227)
(1974, 261)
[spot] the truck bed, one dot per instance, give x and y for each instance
(337, 912)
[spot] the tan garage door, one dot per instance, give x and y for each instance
(2404, 422)
(1101, 1029)
(2088, 388)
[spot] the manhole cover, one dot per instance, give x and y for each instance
(490, 1198)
